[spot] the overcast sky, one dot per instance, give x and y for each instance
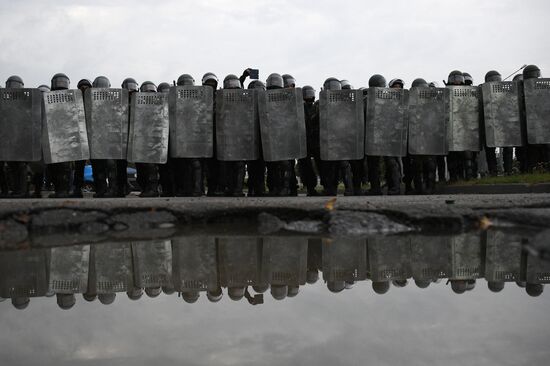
(312, 40)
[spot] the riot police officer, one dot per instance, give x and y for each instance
(490, 152)
(256, 168)
(78, 171)
(313, 158)
(166, 171)
(290, 82)
(38, 167)
(393, 166)
(163, 87)
(373, 162)
(121, 166)
(536, 153)
(357, 166)
(455, 159)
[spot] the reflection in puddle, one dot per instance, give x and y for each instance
(249, 267)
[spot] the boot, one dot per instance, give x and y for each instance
(18, 173)
(196, 174)
(61, 176)
(393, 176)
(347, 177)
(237, 190)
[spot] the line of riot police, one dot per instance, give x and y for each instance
(188, 140)
(247, 266)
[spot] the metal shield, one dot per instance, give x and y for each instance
(237, 127)
(503, 256)
(148, 140)
(389, 258)
(240, 261)
(107, 122)
(69, 269)
(64, 134)
(386, 122)
(285, 260)
(20, 124)
(467, 256)
(538, 270)
(195, 266)
(431, 257)
(502, 114)
(23, 274)
(282, 124)
(464, 118)
(152, 264)
(191, 122)
(112, 264)
(428, 114)
(537, 110)
(341, 125)
(344, 259)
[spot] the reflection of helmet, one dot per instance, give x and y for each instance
(20, 303)
(345, 84)
(231, 82)
(336, 286)
(312, 276)
(163, 88)
(293, 291)
(289, 81)
(349, 284)
(214, 295)
(308, 93)
(377, 81)
(400, 283)
(65, 301)
(185, 80)
(468, 80)
(531, 72)
(168, 290)
(332, 84)
(14, 81)
(256, 84)
(279, 292)
(148, 87)
(534, 289)
(521, 284)
(84, 83)
(459, 286)
(492, 75)
(44, 88)
(130, 84)
(471, 284)
(89, 297)
(135, 293)
(210, 79)
(422, 283)
(455, 78)
(274, 81)
(50, 293)
(190, 296)
(260, 288)
(381, 287)
(235, 293)
(495, 286)
(396, 82)
(106, 299)
(101, 82)
(153, 291)
(518, 77)
(421, 83)
(60, 81)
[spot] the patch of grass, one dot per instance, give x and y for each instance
(509, 179)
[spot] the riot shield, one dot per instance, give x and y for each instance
(64, 135)
(468, 262)
(389, 258)
(20, 124)
(23, 274)
(112, 265)
(237, 127)
(502, 114)
(428, 114)
(464, 113)
(152, 264)
(341, 124)
(191, 122)
(282, 124)
(537, 110)
(386, 122)
(538, 270)
(503, 256)
(107, 122)
(431, 257)
(344, 259)
(195, 264)
(69, 269)
(148, 139)
(285, 260)
(240, 261)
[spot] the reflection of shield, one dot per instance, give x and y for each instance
(431, 257)
(282, 124)
(148, 139)
(537, 109)
(237, 128)
(64, 135)
(285, 260)
(342, 125)
(389, 258)
(113, 268)
(467, 256)
(20, 125)
(69, 269)
(240, 261)
(344, 259)
(152, 264)
(464, 113)
(191, 122)
(428, 113)
(107, 122)
(386, 122)
(503, 256)
(23, 274)
(195, 265)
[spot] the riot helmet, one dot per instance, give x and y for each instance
(419, 83)
(148, 87)
(459, 286)
(256, 84)
(236, 293)
(400, 283)
(44, 88)
(20, 303)
(107, 299)
(65, 301)
(89, 297)
(185, 80)
(495, 286)
(83, 84)
(279, 292)
(135, 293)
(518, 77)
(380, 287)
(308, 93)
(130, 84)
(15, 82)
(346, 85)
(210, 79)
(433, 84)
(60, 81)
(214, 295)
(168, 290)
(336, 286)
(492, 75)
(190, 297)
(455, 78)
(153, 291)
(101, 82)
(260, 288)
(293, 291)
(274, 81)
(422, 283)
(468, 80)
(289, 81)
(332, 84)
(231, 82)
(531, 72)
(312, 276)
(163, 88)
(396, 83)
(534, 289)
(377, 81)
